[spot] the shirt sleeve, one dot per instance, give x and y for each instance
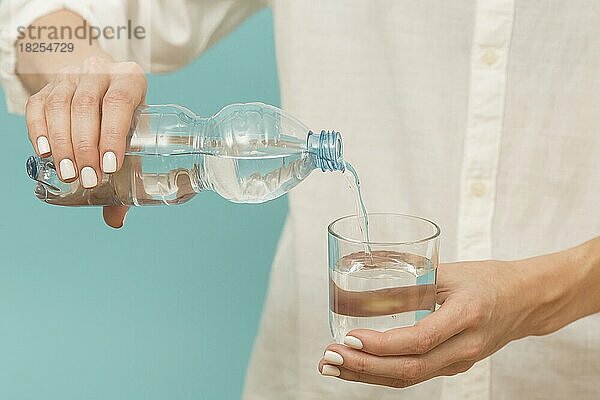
(171, 33)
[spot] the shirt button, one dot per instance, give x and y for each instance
(478, 189)
(489, 57)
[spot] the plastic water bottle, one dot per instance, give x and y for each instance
(247, 153)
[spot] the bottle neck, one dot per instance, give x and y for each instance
(327, 149)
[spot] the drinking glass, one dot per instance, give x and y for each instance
(385, 282)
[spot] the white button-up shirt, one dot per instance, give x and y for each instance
(483, 115)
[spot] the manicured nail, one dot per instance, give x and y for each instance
(67, 169)
(333, 357)
(109, 162)
(353, 342)
(330, 370)
(89, 179)
(43, 145)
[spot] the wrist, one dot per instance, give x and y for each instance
(559, 287)
(587, 258)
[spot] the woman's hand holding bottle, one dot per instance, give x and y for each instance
(82, 113)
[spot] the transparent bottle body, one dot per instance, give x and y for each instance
(247, 153)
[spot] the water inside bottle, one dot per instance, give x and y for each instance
(169, 170)
(380, 291)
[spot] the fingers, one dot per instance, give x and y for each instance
(36, 122)
(354, 376)
(460, 348)
(126, 92)
(115, 216)
(450, 319)
(58, 119)
(85, 125)
(82, 118)
(399, 367)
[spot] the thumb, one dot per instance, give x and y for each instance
(450, 277)
(114, 216)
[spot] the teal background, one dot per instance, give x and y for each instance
(166, 308)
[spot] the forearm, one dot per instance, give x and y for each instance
(37, 69)
(562, 287)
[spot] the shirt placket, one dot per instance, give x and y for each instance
(491, 40)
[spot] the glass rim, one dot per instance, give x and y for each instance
(435, 235)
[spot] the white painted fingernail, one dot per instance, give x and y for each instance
(67, 169)
(330, 370)
(353, 342)
(109, 162)
(43, 145)
(333, 357)
(89, 179)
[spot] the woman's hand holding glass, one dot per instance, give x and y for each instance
(484, 306)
